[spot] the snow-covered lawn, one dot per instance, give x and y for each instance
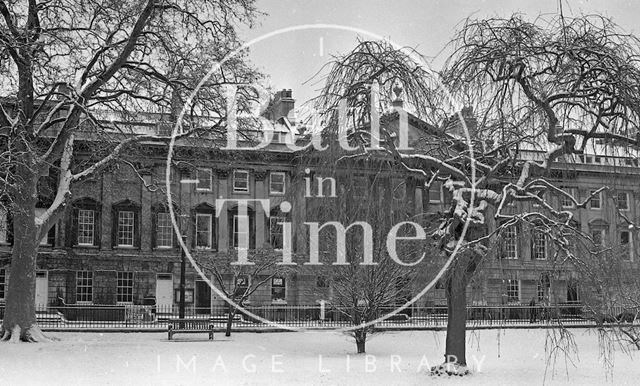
(304, 358)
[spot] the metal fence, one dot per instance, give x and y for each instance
(126, 316)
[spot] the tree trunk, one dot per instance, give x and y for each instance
(232, 313)
(20, 314)
(361, 340)
(455, 350)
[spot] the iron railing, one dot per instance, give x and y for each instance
(128, 316)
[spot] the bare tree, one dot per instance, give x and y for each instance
(366, 282)
(74, 75)
(239, 282)
(540, 94)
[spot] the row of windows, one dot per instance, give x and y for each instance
(621, 199)
(361, 186)
(240, 181)
(539, 247)
(125, 285)
(164, 233)
(84, 287)
(513, 294)
(510, 244)
(86, 224)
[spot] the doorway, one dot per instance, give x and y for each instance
(164, 292)
(42, 289)
(203, 297)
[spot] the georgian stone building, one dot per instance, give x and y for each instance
(116, 244)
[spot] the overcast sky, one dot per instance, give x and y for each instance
(292, 58)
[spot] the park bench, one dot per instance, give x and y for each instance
(177, 325)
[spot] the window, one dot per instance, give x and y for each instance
(275, 230)
(595, 202)
(126, 224)
(240, 226)
(84, 229)
(543, 287)
(3, 225)
(125, 231)
(276, 136)
(3, 283)
(84, 287)
(240, 231)
(86, 226)
(511, 242)
(573, 294)
(204, 178)
(204, 231)
(539, 246)
(625, 245)
(125, 287)
(278, 289)
(164, 230)
(276, 183)
(50, 238)
(541, 292)
(240, 181)
(565, 201)
(435, 192)
(513, 290)
(622, 201)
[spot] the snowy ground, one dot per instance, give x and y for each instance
(305, 358)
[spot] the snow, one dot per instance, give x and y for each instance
(497, 357)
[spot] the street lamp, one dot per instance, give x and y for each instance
(182, 279)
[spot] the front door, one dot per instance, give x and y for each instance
(164, 292)
(42, 289)
(203, 297)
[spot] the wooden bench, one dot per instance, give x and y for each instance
(188, 326)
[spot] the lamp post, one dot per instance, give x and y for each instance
(182, 279)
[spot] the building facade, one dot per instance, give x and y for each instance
(116, 243)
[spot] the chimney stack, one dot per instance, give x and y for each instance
(283, 105)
